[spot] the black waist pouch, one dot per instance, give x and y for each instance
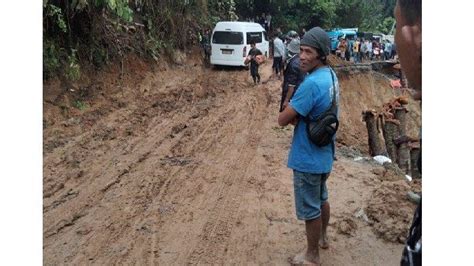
(322, 130)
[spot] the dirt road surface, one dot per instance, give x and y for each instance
(187, 165)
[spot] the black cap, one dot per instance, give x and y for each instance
(317, 38)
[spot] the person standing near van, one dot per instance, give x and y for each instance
(263, 21)
(253, 52)
(206, 46)
(269, 22)
(278, 54)
(311, 164)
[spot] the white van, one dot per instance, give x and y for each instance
(230, 42)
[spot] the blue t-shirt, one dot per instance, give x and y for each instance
(313, 97)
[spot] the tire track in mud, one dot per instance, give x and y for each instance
(178, 175)
(93, 194)
(213, 243)
(207, 174)
(103, 186)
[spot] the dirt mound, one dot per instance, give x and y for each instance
(347, 226)
(337, 61)
(366, 91)
(390, 210)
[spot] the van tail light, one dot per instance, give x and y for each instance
(244, 51)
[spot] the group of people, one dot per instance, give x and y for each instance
(265, 20)
(360, 50)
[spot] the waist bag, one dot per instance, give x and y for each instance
(322, 130)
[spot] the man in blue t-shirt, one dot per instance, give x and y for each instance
(311, 164)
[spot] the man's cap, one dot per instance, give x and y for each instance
(292, 34)
(294, 46)
(317, 38)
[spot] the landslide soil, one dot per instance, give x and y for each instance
(176, 165)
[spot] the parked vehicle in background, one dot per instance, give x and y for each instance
(350, 34)
(375, 36)
(230, 42)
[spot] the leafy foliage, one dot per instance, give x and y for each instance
(95, 32)
(386, 26)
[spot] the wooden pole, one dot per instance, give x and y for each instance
(400, 115)
(403, 150)
(376, 146)
(391, 132)
(414, 153)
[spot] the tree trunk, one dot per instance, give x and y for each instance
(376, 146)
(391, 132)
(400, 115)
(404, 158)
(403, 150)
(414, 153)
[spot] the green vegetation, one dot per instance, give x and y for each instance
(96, 32)
(80, 105)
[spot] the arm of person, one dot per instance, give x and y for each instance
(301, 104)
(294, 78)
(288, 116)
(289, 94)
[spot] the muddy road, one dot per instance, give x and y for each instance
(188, 166)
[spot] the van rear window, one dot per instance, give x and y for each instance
(255, 36)
(228, 37)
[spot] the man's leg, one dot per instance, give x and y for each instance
(253, 73)
(310, 194)
(256, 73)
(325, 214)
(313, 233)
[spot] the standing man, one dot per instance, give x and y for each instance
(278, 54)
(388, 50)
(269, 22)
(263, 21)
(311, 164)
(206, 46)
(253, 52)
(394, 51)
(348, 50)
(341, 47)
(370, 50)
(408, 40)
(356, 51)
(363, 50)
(293, 75)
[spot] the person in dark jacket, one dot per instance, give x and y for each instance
(292, 75)
(253, 52)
